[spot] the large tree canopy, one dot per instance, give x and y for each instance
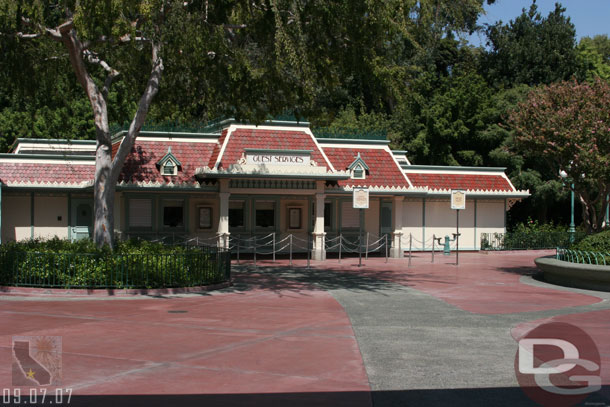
(567, 125)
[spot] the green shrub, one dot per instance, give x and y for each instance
(599, 242)
(531, 235)
(135, 263)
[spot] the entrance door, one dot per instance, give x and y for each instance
(82, 219)
(386, 219)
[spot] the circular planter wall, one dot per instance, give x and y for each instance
(587, 276)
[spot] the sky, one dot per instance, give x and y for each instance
(590, 17)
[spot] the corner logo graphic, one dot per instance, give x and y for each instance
(558, 364)
(36, 360)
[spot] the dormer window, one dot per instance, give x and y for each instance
(358, 172)
(358, 168)
(169, 168)
(169, 164)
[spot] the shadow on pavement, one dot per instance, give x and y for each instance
(300, 279)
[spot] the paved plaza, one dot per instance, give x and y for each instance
(335, 334)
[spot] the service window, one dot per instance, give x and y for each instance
(294, 218)
(236, 214)
(173, 213)
(140, 213)
(328, 213)
(265, 214)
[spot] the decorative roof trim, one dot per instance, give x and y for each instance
(352, 141)
(54, 184)
(51, 157)
(277, 151)
(449, 168)
(161, 185)
(483, 192)
(436, 192)
(238, 171)
(171, 135)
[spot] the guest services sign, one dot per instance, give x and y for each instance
(361, 198)
(278, 157)
(458, 199)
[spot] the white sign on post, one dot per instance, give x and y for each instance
(458, 199)
(361, 198)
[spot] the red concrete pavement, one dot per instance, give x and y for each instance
(251, 343)
(483, 283)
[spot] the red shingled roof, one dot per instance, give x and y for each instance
(140, 164)
(485, 182)
(217, 148)
(383, 170)
(265, 139)
(34, 172)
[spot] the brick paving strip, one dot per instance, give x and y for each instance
(336, 334)
(288, 346)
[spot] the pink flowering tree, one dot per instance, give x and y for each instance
(567, 125)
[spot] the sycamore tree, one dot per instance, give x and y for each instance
(249, 58)
(567, 125)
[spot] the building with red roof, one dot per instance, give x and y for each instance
(278, 179)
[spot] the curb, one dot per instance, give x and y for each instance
(108, 292)
(587, 276)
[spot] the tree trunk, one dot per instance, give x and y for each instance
(103, 197)
(107, 168)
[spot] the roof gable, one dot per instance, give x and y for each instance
(238, 139)
(383, 169)
(358, 161)
(169, 156)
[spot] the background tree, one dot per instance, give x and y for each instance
(567, 125)
(532, 49)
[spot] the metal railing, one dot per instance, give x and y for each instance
(583, 256)
(524, 241)
(206, 265)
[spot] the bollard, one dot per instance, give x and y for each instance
(308, 249)
(386, 248)
(410, 246)
(360, 250)
(340, 243)
(367, 246)
(274, 247)
(290, 249)
(254, 251)
(238, 239)
(433, 240)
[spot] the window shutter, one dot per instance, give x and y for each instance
(350, 217)
(140, 213)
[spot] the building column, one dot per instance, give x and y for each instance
(319, 249)
(223, 221)
(397, 250)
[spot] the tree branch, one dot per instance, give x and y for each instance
(152, 87)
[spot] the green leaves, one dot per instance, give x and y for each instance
(567, 125)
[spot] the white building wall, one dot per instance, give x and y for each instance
(412, 221)
(50, 217)
(16, 214)
(371, 217)
(441, 221)
(490, 218)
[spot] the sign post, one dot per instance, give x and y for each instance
(458, 203)
(360, 201)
